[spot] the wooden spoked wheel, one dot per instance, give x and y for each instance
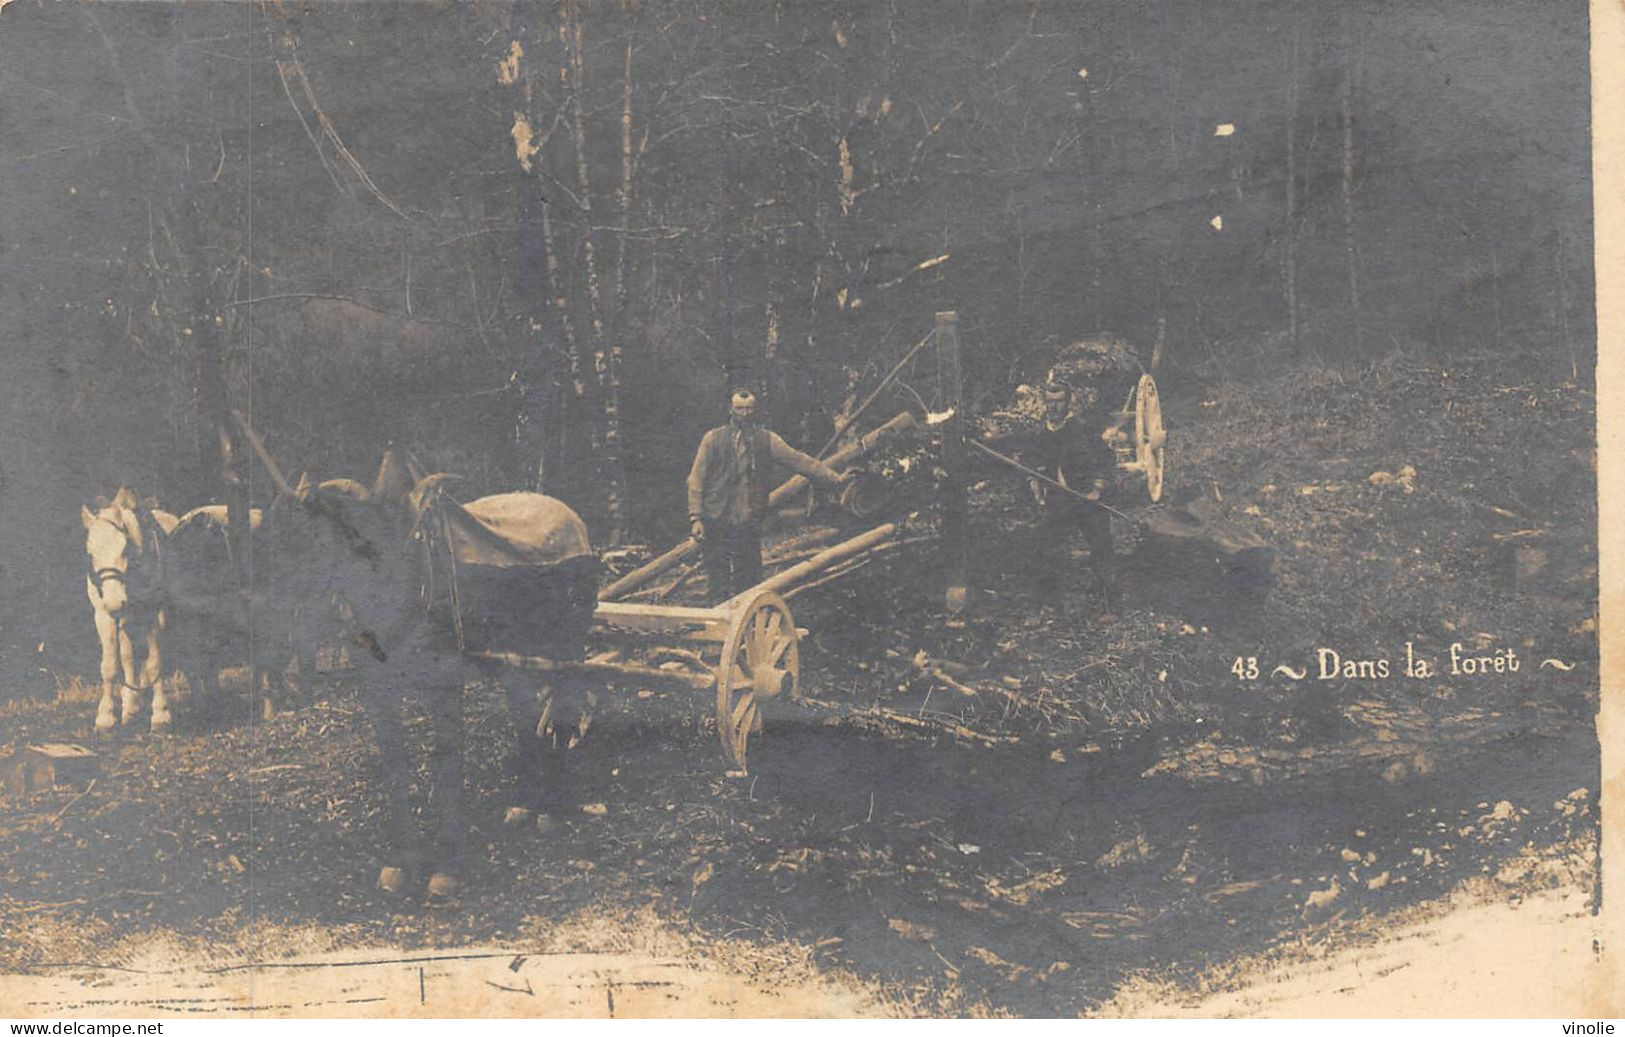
(759, 663)
(1150, 436)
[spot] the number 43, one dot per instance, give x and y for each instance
(1245, 669)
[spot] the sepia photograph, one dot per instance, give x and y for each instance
(806, 508)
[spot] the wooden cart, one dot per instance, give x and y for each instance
(743, 649)
(746, 646)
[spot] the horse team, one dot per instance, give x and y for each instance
(403, 575)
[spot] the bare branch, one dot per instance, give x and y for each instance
(332, 134)
(315, 142)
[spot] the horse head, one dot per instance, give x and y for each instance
(339, 545)
(124, 546)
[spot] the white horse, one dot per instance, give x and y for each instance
(125, 580)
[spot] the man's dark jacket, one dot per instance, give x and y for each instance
(727, 485)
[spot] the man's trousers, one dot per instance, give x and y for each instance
(733, 557)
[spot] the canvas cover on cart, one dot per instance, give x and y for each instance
(520, 571)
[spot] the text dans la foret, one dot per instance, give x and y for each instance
(1332, 664)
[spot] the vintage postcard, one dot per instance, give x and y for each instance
(651, 508)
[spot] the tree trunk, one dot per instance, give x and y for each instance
(550, 403)
(623, 323)
(576, 401)
(534, 432)
(624, 196)
(610, 460)
(540, 424)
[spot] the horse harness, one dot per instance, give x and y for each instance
(151, 555)
(151, 543)
(432, 528)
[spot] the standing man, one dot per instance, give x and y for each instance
(1071, 450)
(1079, 458)
(727, 494)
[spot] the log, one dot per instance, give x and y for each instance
(780, 581)
(791, 547)
(648, 571)
(851, 452)
(833, 574)
(538, 664)
(782, 553)
(654, 594)
(1196, 521)
(841, 569)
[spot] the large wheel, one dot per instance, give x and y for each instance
(759, 663)
(1150, 437)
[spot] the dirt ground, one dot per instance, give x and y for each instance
(1133, 822)
(1464, 958)
(589, 967)
(1471, 954)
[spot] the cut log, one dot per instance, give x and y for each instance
(851, 452)
(779, 582)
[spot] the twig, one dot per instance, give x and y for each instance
(75, 902)
(938, 673)
(919, 723)
(69, 805)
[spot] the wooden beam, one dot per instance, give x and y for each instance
(277, 478)
(782, 581)
(540, 664)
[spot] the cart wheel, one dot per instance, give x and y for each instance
(759, 662)
(1150, 437)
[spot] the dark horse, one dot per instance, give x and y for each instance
(420, 583)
